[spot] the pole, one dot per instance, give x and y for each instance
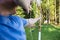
(39, 7)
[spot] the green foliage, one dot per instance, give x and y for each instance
(33, 12)
(19, 11)
(47, 7)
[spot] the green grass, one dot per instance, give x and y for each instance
(33, 35)
(49, 32)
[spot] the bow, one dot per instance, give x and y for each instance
(39, 7)
(38, 2)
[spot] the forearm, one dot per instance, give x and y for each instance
(32, 21)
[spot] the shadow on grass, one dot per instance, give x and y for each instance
(49, 32)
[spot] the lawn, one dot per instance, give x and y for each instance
(49, 32)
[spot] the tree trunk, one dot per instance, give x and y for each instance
(57, 10)
(48, 13)
(48, 16)
(55, 13)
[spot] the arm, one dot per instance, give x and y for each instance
(32, 21)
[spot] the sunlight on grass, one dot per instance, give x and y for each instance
(51, 29)
(49, 32)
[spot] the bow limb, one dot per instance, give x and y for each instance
(39, 7)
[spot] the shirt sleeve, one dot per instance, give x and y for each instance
(25, 21)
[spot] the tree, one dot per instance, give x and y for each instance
(57, 11)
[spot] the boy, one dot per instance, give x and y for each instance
(12, 27)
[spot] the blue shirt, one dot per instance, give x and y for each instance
(12, 28)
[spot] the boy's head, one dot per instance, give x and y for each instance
(7, 6)
(10, 5)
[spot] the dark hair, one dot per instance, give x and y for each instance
(8, 4)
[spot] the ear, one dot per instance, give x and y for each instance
(25, 4)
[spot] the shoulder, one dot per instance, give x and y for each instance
(15, 17)
(18, 18)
